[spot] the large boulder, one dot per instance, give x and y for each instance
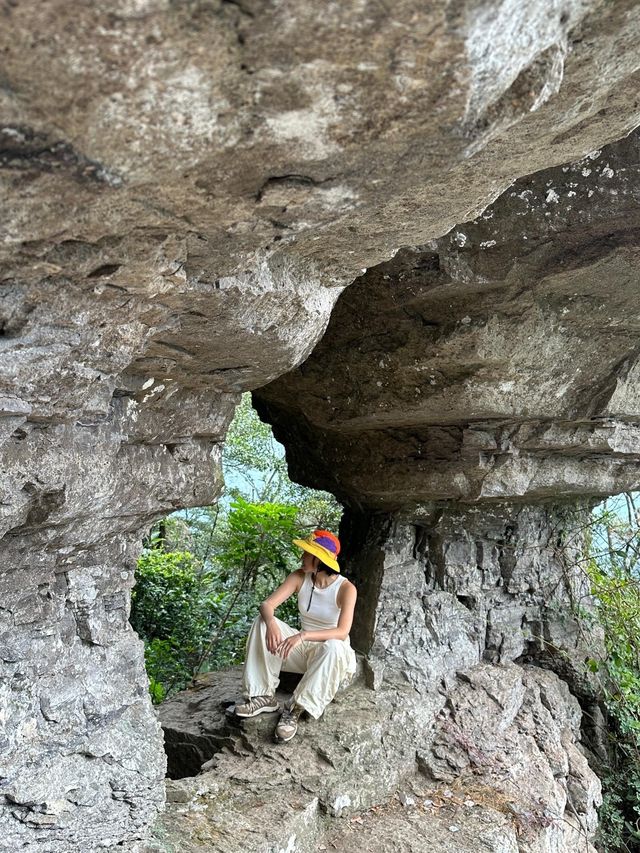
(492, 758)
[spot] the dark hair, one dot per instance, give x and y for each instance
(322, 568)
(327, 569)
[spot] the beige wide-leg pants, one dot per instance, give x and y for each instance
(324, 664)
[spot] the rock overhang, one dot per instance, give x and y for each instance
(496, 363)
(200, 123)
(179, 179)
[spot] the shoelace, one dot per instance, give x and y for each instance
(259, 702)
(288, 716)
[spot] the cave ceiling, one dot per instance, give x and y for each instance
(190, 185)
(500, 361)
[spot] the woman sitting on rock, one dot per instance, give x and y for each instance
(321, 650)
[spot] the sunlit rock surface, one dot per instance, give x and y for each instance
(187, 189)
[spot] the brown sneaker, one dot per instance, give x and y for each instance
(257, 705)
(288, 723)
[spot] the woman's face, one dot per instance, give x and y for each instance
(308, 563)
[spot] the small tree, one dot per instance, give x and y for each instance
(258, 554)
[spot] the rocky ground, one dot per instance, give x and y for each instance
(491, 761)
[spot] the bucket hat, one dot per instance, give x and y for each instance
(323, 545)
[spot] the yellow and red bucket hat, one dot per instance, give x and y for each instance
(323, 545)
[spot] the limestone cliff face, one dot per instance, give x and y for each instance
(187, 190)
(467, 585)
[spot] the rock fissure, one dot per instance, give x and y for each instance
(24, 148)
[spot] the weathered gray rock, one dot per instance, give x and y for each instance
(498, 763)
(493, 583)
(187, 189)
(390, 125)
(79, 745)
(492, 364)
(520, 730)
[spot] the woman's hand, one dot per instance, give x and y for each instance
(274, 637)
(287, 646)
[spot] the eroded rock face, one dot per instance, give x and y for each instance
(492, 760)
(498, 362)
(187, 189)
(219, 132)
(466, 585)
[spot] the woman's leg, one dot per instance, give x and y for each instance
(328, 662)
(261, 673)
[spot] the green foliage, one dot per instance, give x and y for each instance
(205, 571)
(166, 592)
(260, 537)
(614, 574)
(257, 550)
(173, 607)
(177, 608)
(255, 469)
(253, 460)
(611, 829)
(259, 544)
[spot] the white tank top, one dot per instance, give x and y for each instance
(324, 612)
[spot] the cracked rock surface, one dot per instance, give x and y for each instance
(188, 188)
(489, 583)
(491, 760)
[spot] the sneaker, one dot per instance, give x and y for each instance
(257, 705)
(288, 723)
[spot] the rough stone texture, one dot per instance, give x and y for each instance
(80, 743)
(382, 770)
(446, 607)
(487, 365)
(537, 765)
(195, 726)
(187, 188)
(469, 584)
(281, 129)
(79, 747)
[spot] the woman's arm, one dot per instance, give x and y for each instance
(347, 595)
(267, 609)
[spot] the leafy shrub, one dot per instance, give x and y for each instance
(259, 540)
(173, 610)
(614, 572)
